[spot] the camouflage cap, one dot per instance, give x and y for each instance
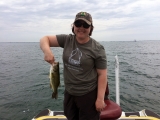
(84, 16)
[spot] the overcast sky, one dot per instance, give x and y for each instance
(113, 20)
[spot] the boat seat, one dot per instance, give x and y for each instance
(150, 113)
(112, 111)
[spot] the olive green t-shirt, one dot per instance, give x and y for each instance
(80, 64)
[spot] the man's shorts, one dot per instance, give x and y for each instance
(81, 107)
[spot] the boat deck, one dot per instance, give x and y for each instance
(59, 115)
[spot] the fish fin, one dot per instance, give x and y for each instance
(54, 95)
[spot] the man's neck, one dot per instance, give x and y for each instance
(83, 41)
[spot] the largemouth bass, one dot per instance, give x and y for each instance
(54, 79)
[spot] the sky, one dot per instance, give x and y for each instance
(113, 20)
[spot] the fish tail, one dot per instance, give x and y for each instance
(54, 95)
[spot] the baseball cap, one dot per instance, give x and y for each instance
(84, 16)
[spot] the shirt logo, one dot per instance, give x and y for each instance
(75, 57)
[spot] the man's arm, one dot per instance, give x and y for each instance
(102, 83)
(45, 43)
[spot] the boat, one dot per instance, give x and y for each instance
(140, 115)
(111, 112)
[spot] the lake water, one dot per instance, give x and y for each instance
(24, 82)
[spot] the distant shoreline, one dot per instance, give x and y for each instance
(98, 41)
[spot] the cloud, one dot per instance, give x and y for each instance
(28, 20)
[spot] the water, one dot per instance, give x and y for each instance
(24, 82)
